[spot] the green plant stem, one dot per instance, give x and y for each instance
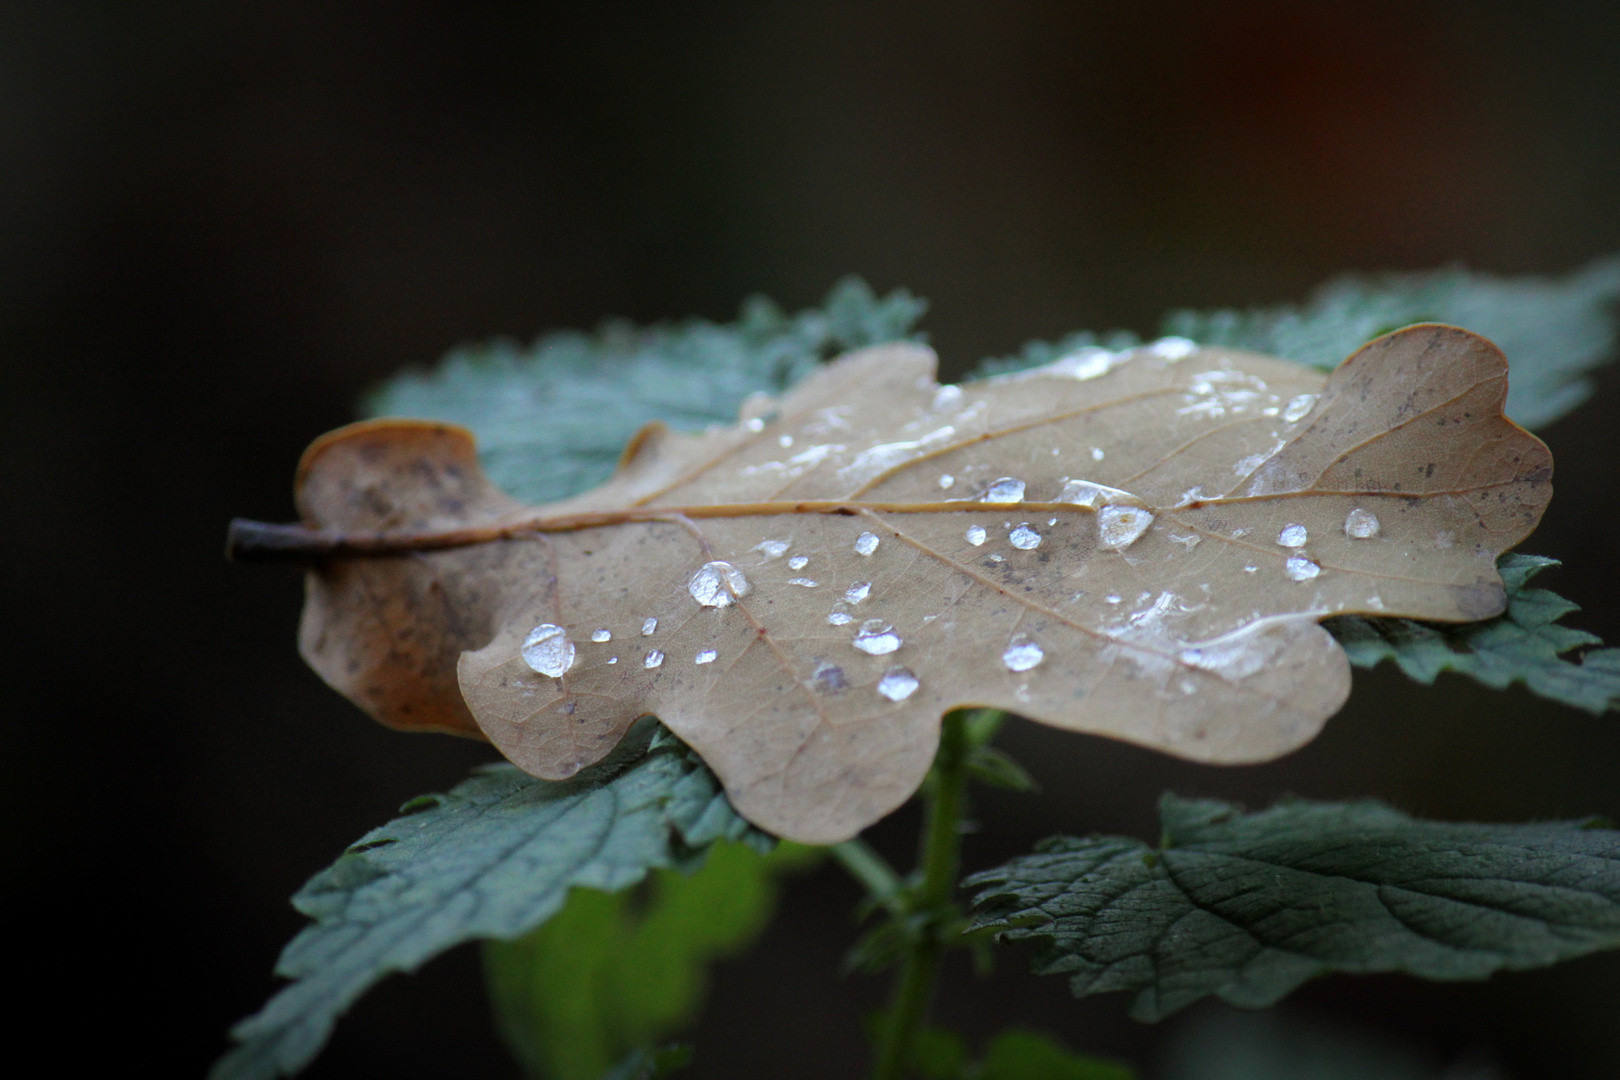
(942, 841)
(873, 871)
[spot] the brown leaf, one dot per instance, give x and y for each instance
(1136, 545)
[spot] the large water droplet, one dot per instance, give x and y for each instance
(1299, 568)
(1118, 527)
(857, 592)
(1292, 536)
(897, 684)
(1022, 653)
(652, 659)
(649, 625)
(1024, 538)
(1361, 524)
(798, 562)
(1297, 408)
(601, 635)
(1005, 490)
(975, 535)
(866, 543)
(840, 618)
(876, 638)
(772, 549)
(718, 584)
(1173, 348)
(548, 650)
(705, 657)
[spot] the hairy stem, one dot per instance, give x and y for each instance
(873, 871)
(942, 841)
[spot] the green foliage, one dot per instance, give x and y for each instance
(1554, 332)
(613, 973)
(1525, 643)
(492, 859)
(552, 419)
(1015, 1054)
(1249, 906)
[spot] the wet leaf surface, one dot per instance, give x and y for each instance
(1137, 544)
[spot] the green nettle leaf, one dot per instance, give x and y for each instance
(613, 973)
(492, 859)
(1554, 331)
(1249, 906)
(1524, 644)
(552, 419)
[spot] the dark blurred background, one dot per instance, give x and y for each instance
(220, 222)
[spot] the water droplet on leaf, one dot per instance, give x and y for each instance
(798, 562)
(1025, 538)
(975, 535)
(772, 549)
(1293, 536)
(1299, 568)
(1022, 653)
(946, 481)
(652, 659)
(857, 592)
(548, 651)
(1297, 408)
(897, 684)
(1118, 527)
(649, 626)
(1361, 524)
(718, 584)
(876, 638)
(1005, 490)
(840, 618)
(866, 543)
(602, 635)
(705, 657)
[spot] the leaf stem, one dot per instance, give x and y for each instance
(873, 871)
(941, 855)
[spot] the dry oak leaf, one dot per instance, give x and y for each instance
(1136, 544)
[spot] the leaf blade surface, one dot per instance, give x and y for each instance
(802, 595)
(1248, 907)
(491, 859)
